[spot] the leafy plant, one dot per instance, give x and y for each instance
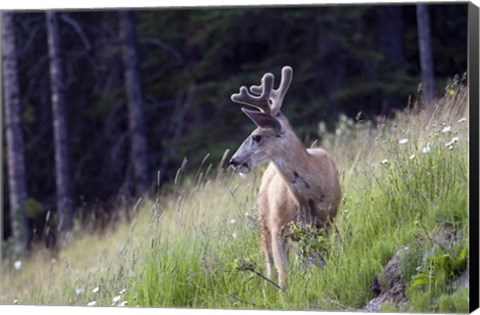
(312, 245)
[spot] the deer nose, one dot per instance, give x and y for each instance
(233, 162)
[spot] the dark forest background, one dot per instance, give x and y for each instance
(362, 61)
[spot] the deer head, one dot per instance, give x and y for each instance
(269, 138)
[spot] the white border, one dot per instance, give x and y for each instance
(87, 4)
(96, 4)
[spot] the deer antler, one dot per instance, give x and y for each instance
(277, 95)
(261, 102)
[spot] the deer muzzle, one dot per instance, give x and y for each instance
(243, 167)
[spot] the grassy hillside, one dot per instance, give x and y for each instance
(405, 185)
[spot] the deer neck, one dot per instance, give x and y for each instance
(295, 166)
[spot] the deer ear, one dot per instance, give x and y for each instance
(262, 120)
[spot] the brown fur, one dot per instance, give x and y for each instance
(284, 197)
(299, 185)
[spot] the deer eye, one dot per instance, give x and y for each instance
(256, 138)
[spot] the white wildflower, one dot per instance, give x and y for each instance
(79, 291)
(95, 290)
(452, 141)
(462, 120)
(15, 301)
(449, 145)
(123, 303)
(403, 141)
(412, 157)
(17, 265)
(427, 148)
(116, 298)
(447, 129)
(232, 221)
(92, 303)
(247, 214)
(123, 291)
(234, 235)
(384, 162)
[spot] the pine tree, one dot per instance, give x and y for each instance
(138, 140)
(426, 59)
(17, 181)
(59, 113)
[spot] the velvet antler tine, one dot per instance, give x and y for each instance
(261, 102)
(264, 96)
(256, 89)
(286, 80)
(267, 84)
(279, 94)
(240, 97)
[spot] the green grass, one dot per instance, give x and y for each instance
(196, 244)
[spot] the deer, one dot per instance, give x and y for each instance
(299, 184)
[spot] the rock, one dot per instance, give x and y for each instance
(392, 270)
(393, 290)
(463, 281)
(395, 295)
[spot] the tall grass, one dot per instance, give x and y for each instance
(195, 244)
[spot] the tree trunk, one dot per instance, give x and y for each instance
(426, 59)
(391, 33)
(390, 25)
(15, 146)
(138, 140)
(59, 114)
(174, 129)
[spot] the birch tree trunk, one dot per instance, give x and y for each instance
(136, 122)
(426, 59)
(60, 130)
(15, 146)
